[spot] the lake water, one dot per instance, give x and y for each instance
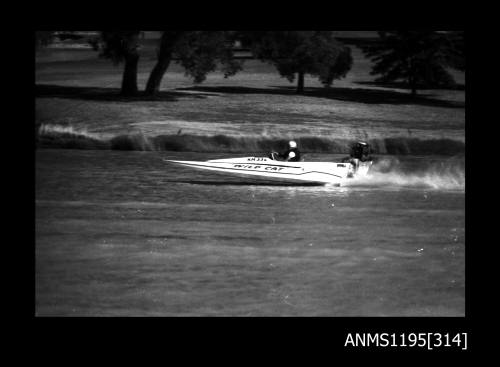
(125, 234)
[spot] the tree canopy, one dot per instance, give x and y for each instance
(198, 52)
(296, 53)
(421, 58)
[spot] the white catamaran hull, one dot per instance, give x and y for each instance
(265, 168)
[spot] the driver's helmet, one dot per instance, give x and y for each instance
(292, 144)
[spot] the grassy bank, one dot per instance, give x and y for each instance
(252, 111)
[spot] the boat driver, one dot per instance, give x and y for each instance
(292, 154)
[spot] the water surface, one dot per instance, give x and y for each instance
(123, 233)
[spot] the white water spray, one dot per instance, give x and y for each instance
(48, 129)
(389, 172)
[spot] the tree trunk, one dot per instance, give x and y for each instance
(300, 83)
(154, 81)
(131, 57)
(168, 40)
(129, 79)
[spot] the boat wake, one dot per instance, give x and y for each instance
(392, 173)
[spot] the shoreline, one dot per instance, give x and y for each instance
(53, 139)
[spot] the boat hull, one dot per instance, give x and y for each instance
(265, 168)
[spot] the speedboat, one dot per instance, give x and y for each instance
(271, 169)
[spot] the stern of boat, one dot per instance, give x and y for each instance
(357, 168)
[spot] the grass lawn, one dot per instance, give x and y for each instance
(77, 90)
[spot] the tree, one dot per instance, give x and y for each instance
(197, 51)
(164, 55)
(296, 53)
(339, 68)
(457, 50)
(421, 58)
(122, 46)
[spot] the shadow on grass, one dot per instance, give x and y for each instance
(361, 95)
(405, 85)
(107, 94)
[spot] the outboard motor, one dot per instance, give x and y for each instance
(361, 151)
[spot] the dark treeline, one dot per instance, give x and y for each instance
(418, 58)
